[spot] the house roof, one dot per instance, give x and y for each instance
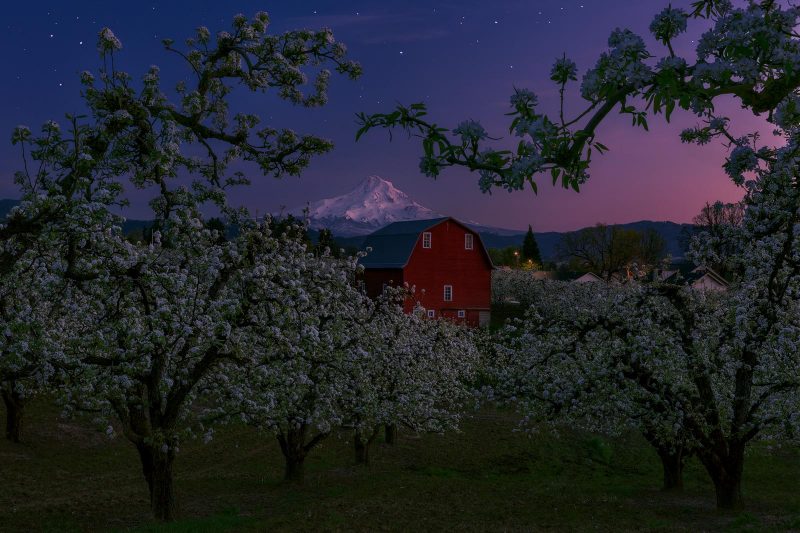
(587, 276)
(392, 245)
(689, 273)
(568, 275)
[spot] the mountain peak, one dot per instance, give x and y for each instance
(376, 185)
(371, 182)
(372, 204)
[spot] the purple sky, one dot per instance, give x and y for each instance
(461, 58)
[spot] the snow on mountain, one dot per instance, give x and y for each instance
(374, 203)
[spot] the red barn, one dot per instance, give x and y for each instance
(444, 259)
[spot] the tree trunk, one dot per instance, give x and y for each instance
(15, 408)
(157, 467)
(361, 448)
(672, 462)
(729, 493)
(146, 459)
(391, 433)
(295, 470)
(162, 499)
(726, 473)
(672, 458)
(294, 454)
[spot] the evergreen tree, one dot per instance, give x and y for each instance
(530, 249)
(326, 240)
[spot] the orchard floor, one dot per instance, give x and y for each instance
(65, 476)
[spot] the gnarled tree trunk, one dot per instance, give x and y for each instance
(157, 467)
(295, 449)
(672, 462)
(673, 459)
(729, 492)
(15, 409)
(726, 473)
(294, 454)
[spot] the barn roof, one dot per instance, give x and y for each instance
(408, 227)
(392, 245)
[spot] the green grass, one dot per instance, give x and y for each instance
(67, 477)
(229, 520)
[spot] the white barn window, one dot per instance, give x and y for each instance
(448, 293)
(468, 241)
(462, 313)
(426, 239)
(431, 313)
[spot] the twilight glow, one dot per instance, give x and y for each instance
(462, 59)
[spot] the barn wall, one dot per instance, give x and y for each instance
(448, 263)
(375, 278)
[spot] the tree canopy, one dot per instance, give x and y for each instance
(747, 53)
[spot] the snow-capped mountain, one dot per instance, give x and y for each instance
(374, 203)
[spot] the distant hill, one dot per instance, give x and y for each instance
(395, 205)
(548, 241)
(376, 202)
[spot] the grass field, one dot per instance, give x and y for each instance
(67, 477)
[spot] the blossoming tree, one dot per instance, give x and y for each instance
(748, 53)
(301, 346)
(414, 372)
(63, 210)
(576, 359)
(695, 372)
(29, 293)
(153, 319)
(321, 356)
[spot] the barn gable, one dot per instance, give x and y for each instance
(392, 246)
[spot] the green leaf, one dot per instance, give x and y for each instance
(670, 108)
(427, 145)
(555, 173)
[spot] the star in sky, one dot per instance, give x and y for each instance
(462, 59)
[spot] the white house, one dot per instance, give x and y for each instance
(589, 277)
(697, 277)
